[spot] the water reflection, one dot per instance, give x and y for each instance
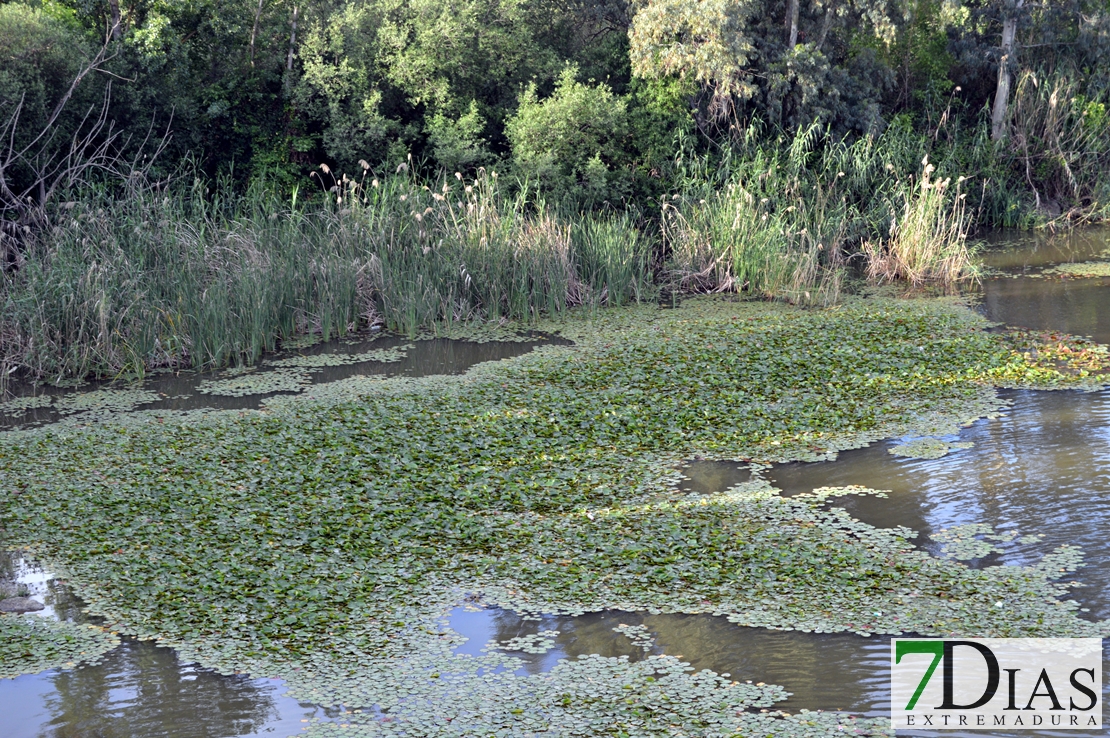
(137, 689)
(143, 690)
(1042, 468)
(1077, 306)
(1025, 251)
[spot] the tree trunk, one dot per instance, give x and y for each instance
(254, 30)
(113, 8)
(826, 24)
(792, 9)
(1002, 94)
(292, 42)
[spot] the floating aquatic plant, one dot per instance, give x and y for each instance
(104, 402)
(325, 539)
(257, 383)
(638, 634)
(18, 406)
(1084, 269)
(319, 361)
(30, 644)
(927, 448)
(535, 643)
(973, 540)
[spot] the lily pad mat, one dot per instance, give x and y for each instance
(324, 539)
(30, 644)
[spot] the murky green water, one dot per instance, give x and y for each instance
(1043, 467)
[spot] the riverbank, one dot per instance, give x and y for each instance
(324, 538)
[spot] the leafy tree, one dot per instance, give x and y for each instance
(42, 56)
(572, 143)
(788, 63)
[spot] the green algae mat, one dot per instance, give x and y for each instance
(324, 538)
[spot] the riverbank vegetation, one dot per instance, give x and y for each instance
(189, 185)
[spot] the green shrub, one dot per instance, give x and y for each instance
(571, 143)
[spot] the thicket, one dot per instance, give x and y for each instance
(225, 174)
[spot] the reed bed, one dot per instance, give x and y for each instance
(928, 235)
(182, 278)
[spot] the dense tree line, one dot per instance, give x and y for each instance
(581, 99)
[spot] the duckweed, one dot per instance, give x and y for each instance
(325, 538)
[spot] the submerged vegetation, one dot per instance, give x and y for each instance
(325, 538)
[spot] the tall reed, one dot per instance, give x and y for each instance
(183, 277)
(928, 235)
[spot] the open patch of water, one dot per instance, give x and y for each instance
(334, 360)
(1019, 297)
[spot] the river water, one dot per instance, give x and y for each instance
(1042, 467)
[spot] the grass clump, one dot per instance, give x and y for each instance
(928, 238)
(183, 277)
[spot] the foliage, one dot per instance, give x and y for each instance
(42, 56)
(571, 141)
(172, 277)
(928, 238)
(1060, 141)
